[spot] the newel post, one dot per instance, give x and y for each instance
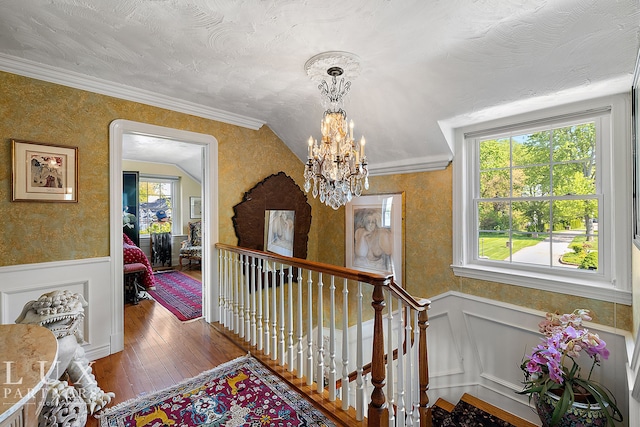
(425, 408)
(378, 412)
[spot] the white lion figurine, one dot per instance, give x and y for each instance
(66, 405)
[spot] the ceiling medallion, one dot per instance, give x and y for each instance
(336, 167)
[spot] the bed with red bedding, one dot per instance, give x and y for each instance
(133, 254)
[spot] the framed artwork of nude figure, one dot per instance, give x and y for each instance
(374, 232)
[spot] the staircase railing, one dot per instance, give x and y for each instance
(277, 304)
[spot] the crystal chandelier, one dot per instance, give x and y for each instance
(337, 165)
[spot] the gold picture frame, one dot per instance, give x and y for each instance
(374, 230)
(44, 172)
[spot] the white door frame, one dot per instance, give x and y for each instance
(117, 129)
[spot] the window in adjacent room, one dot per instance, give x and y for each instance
(158, 194)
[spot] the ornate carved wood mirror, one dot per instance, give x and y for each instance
(277, 192)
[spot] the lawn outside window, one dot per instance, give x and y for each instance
(534, 200)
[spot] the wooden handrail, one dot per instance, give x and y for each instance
(385, 280)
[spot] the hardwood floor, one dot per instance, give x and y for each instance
(159, 351)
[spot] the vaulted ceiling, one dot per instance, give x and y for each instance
(425, 65)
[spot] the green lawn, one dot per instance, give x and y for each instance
(494, 246)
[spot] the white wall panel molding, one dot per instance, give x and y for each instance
(12, 300)
(447, 359)
(90, 277)
(493, 337)
(487, 334)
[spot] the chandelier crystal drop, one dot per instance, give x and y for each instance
(336, 168)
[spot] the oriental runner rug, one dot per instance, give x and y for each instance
(178, 293)
(241, 392)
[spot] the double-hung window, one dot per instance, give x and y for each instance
(534, 203)
(159, 193)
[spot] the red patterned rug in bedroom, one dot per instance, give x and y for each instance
(241, 392)
(178, 293)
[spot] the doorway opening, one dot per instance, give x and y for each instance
(123, 132)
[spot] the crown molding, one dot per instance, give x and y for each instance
(423, 164)
(76, 80)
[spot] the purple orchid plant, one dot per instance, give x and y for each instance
(552, 366)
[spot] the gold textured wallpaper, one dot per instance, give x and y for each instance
(39, 232)
(429, 252)
(34, 110)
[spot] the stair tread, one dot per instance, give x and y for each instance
(500, 413)
(471, 411)
(445, 405)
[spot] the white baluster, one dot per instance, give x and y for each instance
(290, 320)
(281, 353)
(253, 301)
(390, 362)
(259, 344)
(225, 316)
(274, 311)
(220, 281)
(309, 371)
(332, 340)
(241, 292)
(344, 388)
(416, 370)
(408, 367)
(247, 299)
(230, 296)
(299, 360)
(266, 310)
(237, 301)
(320, 340)
(360, 392)
(400, 402)
(221, 285)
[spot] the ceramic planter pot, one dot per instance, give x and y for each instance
(578, 414)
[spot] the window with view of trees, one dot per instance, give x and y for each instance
(543, 199)
(536, 197)
(156, 193)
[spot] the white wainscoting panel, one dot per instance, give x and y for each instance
(445, 357)
(91, 278)
(492, 338)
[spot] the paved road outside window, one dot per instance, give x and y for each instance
(539, 254)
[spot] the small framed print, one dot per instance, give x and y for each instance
(44, 172)
(196, 207)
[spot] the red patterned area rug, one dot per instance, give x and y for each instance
(241, 392)
(178, 293)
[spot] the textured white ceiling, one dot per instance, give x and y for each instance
(425, 64)
(145, 148)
